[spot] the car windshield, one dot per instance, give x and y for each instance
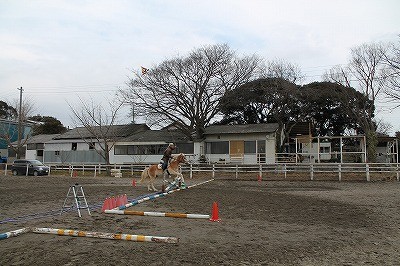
(37, 163)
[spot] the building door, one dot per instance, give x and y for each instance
(261, 152)
(236, 148)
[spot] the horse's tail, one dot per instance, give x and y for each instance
(145, 173)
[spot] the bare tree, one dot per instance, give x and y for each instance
(364, 72)
(282, 69)
(186, 90)
(383, 127)
(339, 75)
(9, 132)
(391, 80)
(27, 109)
(98, 123)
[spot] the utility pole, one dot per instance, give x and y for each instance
(19, 124)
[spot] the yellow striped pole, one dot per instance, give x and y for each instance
(77, 233)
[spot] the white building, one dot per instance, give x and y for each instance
(135, 143)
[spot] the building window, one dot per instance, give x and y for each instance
(39, 152)
(35, 146)
(156, 149)
(324, 150)
(249, 147)
(120, 149)
(57, 153)
(74, 146)
(31, 146)
(91, 145)
(186, 148)
(130, 149)
(260, 146)
(221, 147)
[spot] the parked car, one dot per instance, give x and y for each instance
(34, 167)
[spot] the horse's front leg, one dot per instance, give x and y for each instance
(150, 184)
(179, 180)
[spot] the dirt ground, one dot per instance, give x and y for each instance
(262, 223)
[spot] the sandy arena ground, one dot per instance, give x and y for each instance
(262, 223)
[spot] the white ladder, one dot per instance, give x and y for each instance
(76, 193)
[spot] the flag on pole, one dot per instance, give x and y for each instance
(144, 70)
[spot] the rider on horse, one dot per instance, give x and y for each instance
(166, 157)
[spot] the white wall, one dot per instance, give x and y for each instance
(270, 148)
(199, 149)
(248, 158)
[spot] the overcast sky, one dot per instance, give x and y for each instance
(60, 51)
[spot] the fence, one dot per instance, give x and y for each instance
(278, 171)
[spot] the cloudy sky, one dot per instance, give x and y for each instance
(60, 51)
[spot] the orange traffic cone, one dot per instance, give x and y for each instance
(214, 216)
(125, 199)
(118, 201)
(259, 178)
(134, 183)
(74, 173)
(106, 205)
(113, 202)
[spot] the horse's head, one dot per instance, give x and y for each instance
(181, 158)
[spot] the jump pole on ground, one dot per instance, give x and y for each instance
(159, 214)
(128, 237)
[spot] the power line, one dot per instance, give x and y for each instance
(78, 86)
(69, 92)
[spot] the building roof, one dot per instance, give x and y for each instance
(42, 138)
(15, 122)
(157, 136)
(119, 131)
(241, 129)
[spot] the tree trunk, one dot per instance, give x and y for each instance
(107, 158)
(372, 142)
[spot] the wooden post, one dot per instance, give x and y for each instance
(340, 172)
(311, 172)
(367, 172)
(236, 171)
(285, 170)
